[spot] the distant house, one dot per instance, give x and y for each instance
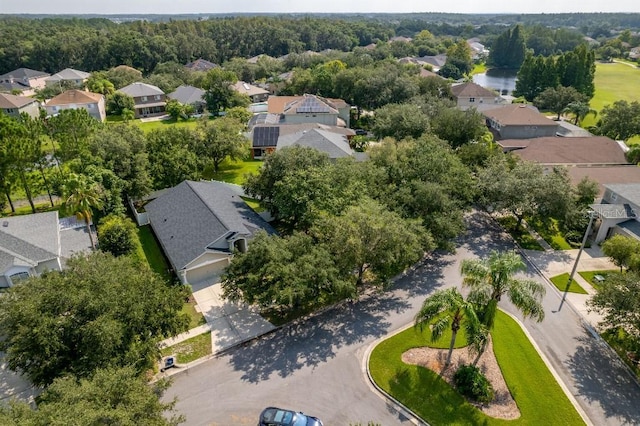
(634, 53)
(13, 105)
(310, 109)
(470, 95)
(189, 95)
(618, 212)
(201, 65)
(148, 100)
(478, 50)
(400, 39)
(255, 93)
(35, 243)
(331, 140)
(70, 75)
(94, 103)
(518, 121)
(255, 59)
(24, 80)
(199, 226)
(436, 62)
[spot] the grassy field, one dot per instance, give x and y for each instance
(560, 281)
(539, 397)
(191, 349)
(234, 171)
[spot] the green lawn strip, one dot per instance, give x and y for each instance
(479, 68)
(539, 397)
(26, 209)
(254, 204)
(560, 281)
(191, 349)
(550, 232)
(588, 275)
(152, 252)
(148, 126)
(195, 318)
(522, 236)
(234, 171)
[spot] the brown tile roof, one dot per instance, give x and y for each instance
(8, 101)
(472, 90)
(518, 115)
(606, 175)
(75, 97)
(556, 150)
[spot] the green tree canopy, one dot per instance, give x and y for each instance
(557, 99)
(623, 251)
(400, 121)
(220, 139)
(99, 312)
(172, 156)
(117, 235)
(508, 50)
(620, 120)
(118, 102)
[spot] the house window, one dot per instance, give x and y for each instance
(157, 97)
(614, 197)
(472, 99)
(15, 278)
(91, 106)
(11, 110)
(144, 99)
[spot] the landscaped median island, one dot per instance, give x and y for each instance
(560, 281)
(538, 396)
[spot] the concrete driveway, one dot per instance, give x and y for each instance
(14, 386)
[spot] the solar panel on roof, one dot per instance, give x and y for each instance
(266, 136)
(312, 106)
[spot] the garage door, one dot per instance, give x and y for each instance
(207, 272)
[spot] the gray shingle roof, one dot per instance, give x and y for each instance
(136, 90)
(187, 95)
(69, 74)
(333, 144)
(22, 74)
(194, 215)
(614, 211)
(630, 191)
(29, 239)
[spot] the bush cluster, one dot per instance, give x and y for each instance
(471, 383)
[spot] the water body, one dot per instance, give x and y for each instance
(504, 81)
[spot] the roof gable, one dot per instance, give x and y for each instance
(23, 74)
(30, 238)
(12, 101)
(630, 191)
(69, 74)
(472, 90)
(333, 144)
(518, 115)
(187, 95)
(136, 90)
(558, 150)
(310, 104)
(75, 96)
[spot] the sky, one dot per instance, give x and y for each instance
(324, 6)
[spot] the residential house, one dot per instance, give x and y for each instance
(519, 121)
(201, 65)
(634, 53)
(24, 80)
(310, 109)
(255, 59)
(13, 105)
(470, 95)
(436, 62)
(332, 140)
(478, 50)
(618, 211)
(35, 243)
(148, 100)
(94, 103)
(606, 175)
(69, 75)
(189, 95)
(199, 226)
(400, 39)
(255, 93)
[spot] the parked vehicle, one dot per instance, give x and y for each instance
(272, 416)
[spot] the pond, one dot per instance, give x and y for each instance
(504, 81)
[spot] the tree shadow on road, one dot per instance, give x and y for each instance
(601, 378)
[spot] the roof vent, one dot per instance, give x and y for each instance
(5, 224)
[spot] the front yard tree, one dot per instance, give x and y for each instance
(172, 156)
(220, 139)
(458, 127)
(100, 312)
(620, 120)
(219, 93)
(110, 396)
(448, 309)
(557, 99)
(623, 251)
(400, 121)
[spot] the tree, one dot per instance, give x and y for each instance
(459, 55)
(400, 121)
(557, 99)
(116, 235)
(508, 50)
(458, 127)
(81, 196)
(172, 156)
(219, 92)
(99, 312)
(118, 102)
(220, 139)
(623, 251)
(579, 110)
(72, 129)
(449, 310)
(491, 278)
(284, 274)
(109, 396)
(368, 240)
(620, 120)
(617, 302)
(98, 83)
(175, 109)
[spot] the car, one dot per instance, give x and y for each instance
(361, 132)
(273, 416)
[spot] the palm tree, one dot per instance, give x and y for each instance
(579, 110)
(81, 196)
(449, 309)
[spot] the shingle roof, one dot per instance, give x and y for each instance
(630, 191)
(201, 65)
(13, 101)
(614, 211)
(556, 150)
(518, 115)
(187, 95)
(193, 215)
(472, 90)
(277, 104)
(75, 97)
(136, 90)
(606, 175)
(22, 74)
(69, 74)
(16, 85)
(333, 144)
(249, 89)
(29, 239)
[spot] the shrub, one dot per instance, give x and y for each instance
(116, 235)
(471, 383)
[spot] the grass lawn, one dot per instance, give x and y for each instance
(538, 395)
(560, 281)
(153, 253)
(191, 349)
(588, 275)
(550, 232)
(22, 210)
(234, 171)
(522, 236)
(479, 68)
(163, 124)
(195, 318)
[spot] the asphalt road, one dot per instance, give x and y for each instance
(316, 366)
